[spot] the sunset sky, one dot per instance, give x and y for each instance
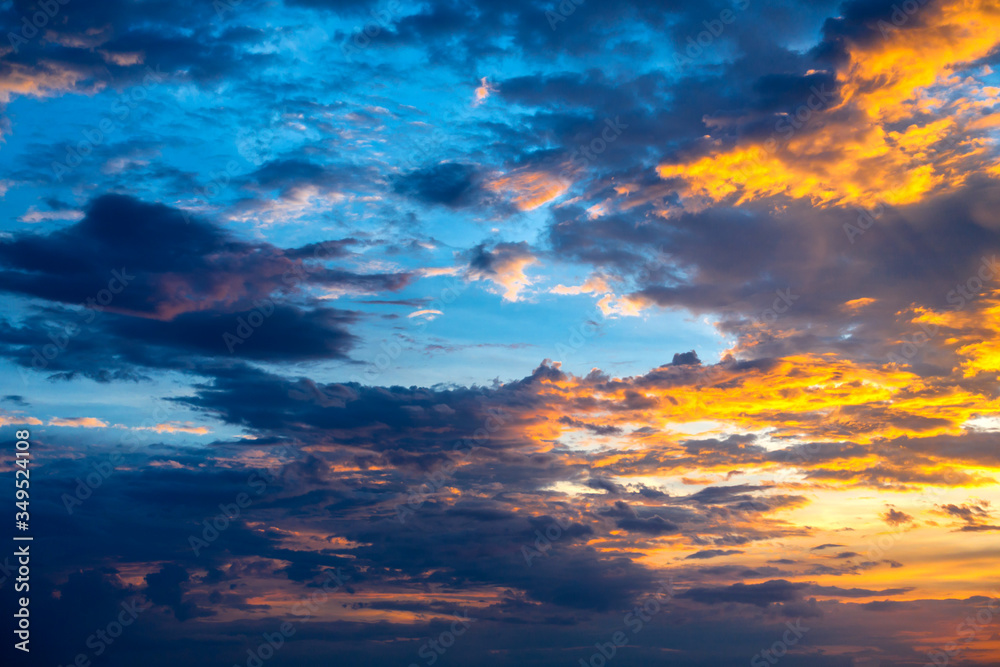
(503, 333)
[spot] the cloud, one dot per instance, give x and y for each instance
(894, 517)
(712, 553)
(483, 91)
(529, 189)
(180, 427)
(686, 359)
(888, 145)
(974, 514)
(504, 266)
(829, 263)
(760, 595)
(77, 422)
(449, 184)
(145, 272)
(165, 588)
(17, 419)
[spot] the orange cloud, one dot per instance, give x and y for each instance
(610, 303)
(856, 153)
(595, 284)
(629, 305)
(890, 78)
(179, 427)
(15, 419)
(78, 422)
(483, 91)
(817, 397)
(858, 304)
(530, 189)
(973, 332)
(507, 263)
(46, 79)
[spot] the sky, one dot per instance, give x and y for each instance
(507, 333)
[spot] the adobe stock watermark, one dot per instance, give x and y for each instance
(782, 303)
(86, 485)
(303, 611)
(634, 621)
(382, 19)
(968, 630)
(92, 308)
(696, 44)
(867, 217)
(213, 527)
(780, 648)
(31, 28)
(901, 15)
(327, 396)
(562, 11)
(962, 294)
(246, 326)
(436, 647)
(264, 307)
(587, 153)
(435, 481)
(788, 125)
(879, 547)
(102, 639)
(543, 542)
(222, 7)
(121, 109)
